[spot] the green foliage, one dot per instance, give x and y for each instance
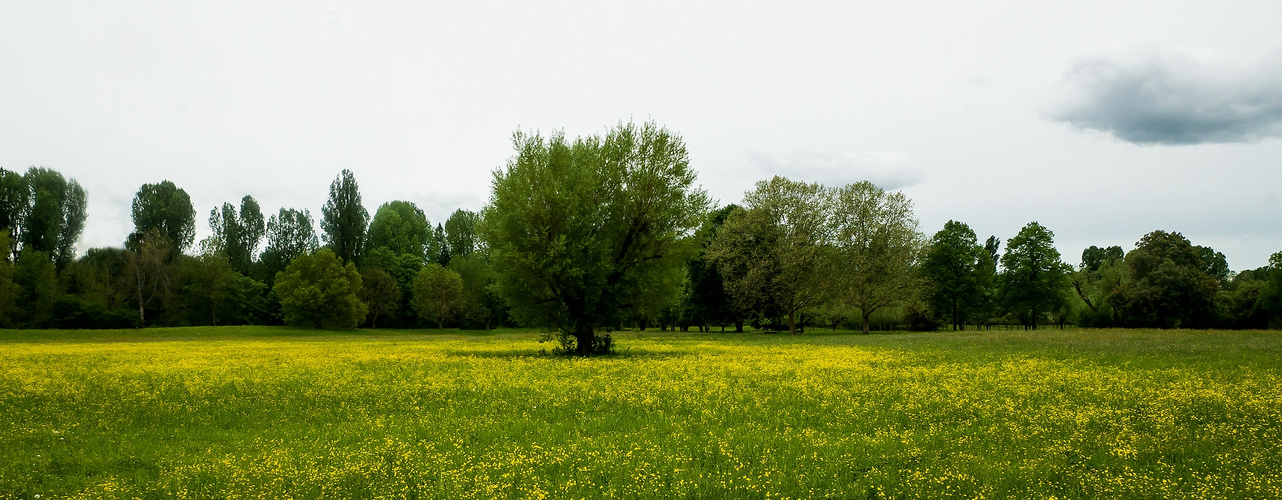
(482, 306)
(400, 227)
(237, 235)
(290, 233)
(771, 254)
(8, 289)
(379, 292)
(43, 212)
(1168, 285)
(150, 269)
(37, 283)
(1095, 257)
(461, 233)
(960, 274)
(438, 294)
(1034, 280)
(165, 209)
(15, 199)
(73, 312)
(877, 248)
(318, 290)
(344, 219)
(579, 232)
(441, 254)
(209, 280)
(1269, 302)
(706, 301)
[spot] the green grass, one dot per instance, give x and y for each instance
(279, 412)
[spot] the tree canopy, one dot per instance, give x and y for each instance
(579, 230)
(344, 219)
(318, 290)
(1034, 280)
(166, 209)
(874, 234)
(400, 227)
(960, 273)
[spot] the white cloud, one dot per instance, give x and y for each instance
(887, 169)
(1155, 93)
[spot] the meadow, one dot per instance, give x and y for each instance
(267, 412)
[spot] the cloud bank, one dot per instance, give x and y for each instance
(889, 170)
(1155, 93)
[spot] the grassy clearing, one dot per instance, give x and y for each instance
(274, 412)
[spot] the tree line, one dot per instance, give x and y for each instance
(587, 235)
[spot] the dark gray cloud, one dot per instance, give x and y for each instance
(1154, 93)
(887, 169)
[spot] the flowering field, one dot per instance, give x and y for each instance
(274, 413)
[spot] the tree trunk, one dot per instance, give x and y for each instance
(792, 325)
(866, 322)
(738, 326)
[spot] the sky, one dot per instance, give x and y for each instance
(1101, 120)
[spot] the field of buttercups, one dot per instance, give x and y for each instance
(275, 413)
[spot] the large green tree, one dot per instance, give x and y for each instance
(237, 235)
(344, 219)
(1169, 284)
(43, 212)
(460, 232)
(290, 233)
(379, 292)
(401, 227)
(578, 231)
(955, 264)
(318, 290)
(15, 197)
(772, 255)
(481, 304)
(877, 248)
(1034, 279)
(706, 299)
(166, 209)
(438, 294)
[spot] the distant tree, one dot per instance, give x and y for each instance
(380, 293)
(441, 245)
(150, 268)
(318, 290)
(1102, 270)
(8, 289)
(237, 235)
(1214, 264)
(1034, 279)
(15, 198)
(44, 212)
(1168, 285)
(578, 232)
(706, 297)
(877, 248)
(290, 233)
(166, 209)
(344, 219)
(772, 253)
(37, 288)
(210, 280)
(481, 303)
(438, 294)
(954, 264)
(1093, 257)
(460, 233)
(400, 227)
(1269, 301)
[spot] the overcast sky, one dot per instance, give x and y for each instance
(1102, 121)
